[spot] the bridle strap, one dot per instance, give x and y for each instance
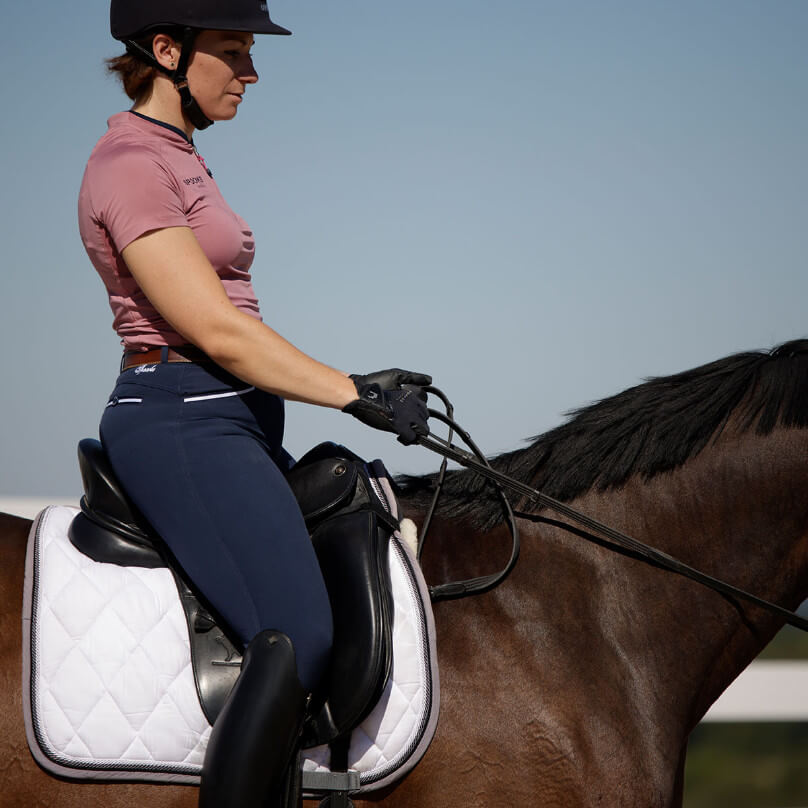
(439, 477)
(643, 551)
(483, 583)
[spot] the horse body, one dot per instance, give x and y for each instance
(576, 682)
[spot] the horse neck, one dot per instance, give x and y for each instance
(736, 511)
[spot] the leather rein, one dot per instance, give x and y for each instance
(595, 531)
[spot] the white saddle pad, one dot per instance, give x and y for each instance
(109, 692)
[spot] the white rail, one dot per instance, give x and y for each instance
(765, 691)
(29, 507)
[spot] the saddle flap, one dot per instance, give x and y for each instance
(353, 552)
(216, 660)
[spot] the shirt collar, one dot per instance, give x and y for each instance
(165, 125)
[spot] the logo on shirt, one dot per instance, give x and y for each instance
(193, 180)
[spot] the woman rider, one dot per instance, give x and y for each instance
(194, 426)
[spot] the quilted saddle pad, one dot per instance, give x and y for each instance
(109, 692)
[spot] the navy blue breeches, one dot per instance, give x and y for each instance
(199, 453)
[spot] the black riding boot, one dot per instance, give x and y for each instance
(256, 735)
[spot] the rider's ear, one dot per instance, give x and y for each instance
(166, 50)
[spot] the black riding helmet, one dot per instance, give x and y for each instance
(133, 19)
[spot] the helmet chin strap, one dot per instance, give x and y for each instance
(190, 108)
(189, 105)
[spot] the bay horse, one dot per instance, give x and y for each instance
(577, 681)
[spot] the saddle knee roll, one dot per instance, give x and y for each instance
(350, 529)
(353, 552)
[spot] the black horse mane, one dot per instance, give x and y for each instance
(645, 430)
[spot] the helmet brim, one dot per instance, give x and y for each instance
(267, 27)
(262, 25)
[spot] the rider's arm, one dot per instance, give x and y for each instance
(179, 281)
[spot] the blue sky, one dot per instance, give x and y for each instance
(540, 203)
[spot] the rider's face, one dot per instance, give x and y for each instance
(219, 71)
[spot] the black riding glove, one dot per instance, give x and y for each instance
(393, 401)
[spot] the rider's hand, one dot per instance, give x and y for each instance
(393, 401)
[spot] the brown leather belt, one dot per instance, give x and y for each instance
(179, 353)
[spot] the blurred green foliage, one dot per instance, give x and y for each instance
(788, 643)
(751, 765)
(747, 766)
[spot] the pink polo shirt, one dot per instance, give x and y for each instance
(144, 176)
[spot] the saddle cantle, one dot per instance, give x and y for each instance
(110, 528)
(350, 528)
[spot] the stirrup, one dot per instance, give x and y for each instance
(333, 789)
(338, 800)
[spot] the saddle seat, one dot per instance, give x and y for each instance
(350, 530)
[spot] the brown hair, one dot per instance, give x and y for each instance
(134, 71)
(135, 75)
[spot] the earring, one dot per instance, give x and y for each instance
(172, 64)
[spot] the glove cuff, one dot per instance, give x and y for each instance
(370, 408)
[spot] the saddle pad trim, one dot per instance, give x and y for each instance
(425, 733)
(394, 769)
(408, 759)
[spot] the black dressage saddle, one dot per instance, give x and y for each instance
(350, 526)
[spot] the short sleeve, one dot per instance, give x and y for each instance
(132, 192)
